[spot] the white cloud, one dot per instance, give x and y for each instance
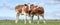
(57, 14)
(52, 2)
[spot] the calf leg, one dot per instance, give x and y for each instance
(17, 17)
(43, 19)
(38, 20)
(25, 18)
(31, 19)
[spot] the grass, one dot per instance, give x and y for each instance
(12, 22)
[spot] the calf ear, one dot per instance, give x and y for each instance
(25, 4)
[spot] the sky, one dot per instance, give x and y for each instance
(51, 7)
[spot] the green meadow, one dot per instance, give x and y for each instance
(21, 22)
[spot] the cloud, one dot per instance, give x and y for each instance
(52, 2)
(6, 6)
(57, 0)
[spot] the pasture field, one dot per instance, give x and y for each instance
(12, 22)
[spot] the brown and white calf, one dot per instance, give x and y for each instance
(37, 10)
(22, 9)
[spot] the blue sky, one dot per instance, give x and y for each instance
(51, 7)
